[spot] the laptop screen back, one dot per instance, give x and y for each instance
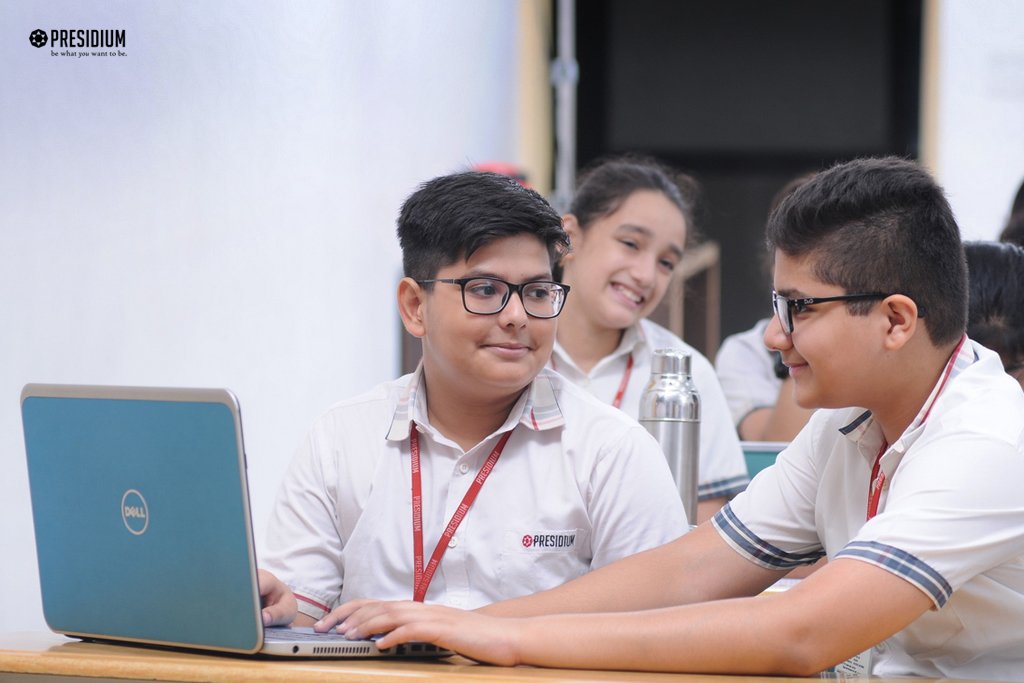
(761, 454)
(141, 515)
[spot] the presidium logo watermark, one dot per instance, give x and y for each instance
(80, 42)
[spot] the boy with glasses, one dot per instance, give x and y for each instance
(908, 478)
(481, 476)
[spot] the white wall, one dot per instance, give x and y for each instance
(216, 207)
(975, 129)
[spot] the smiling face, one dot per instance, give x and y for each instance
(621, 264)
(482, 357)
(831, 352)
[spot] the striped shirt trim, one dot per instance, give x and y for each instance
(722, 487)
(962, 358)
(401, 421)
(902, 564)
(541, 410)
(746, 541)
(850, 428)
(310, 601)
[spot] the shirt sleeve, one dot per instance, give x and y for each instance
(954, 510)
(773, 522)
(634, 504)
(723, 470)
(304, 544)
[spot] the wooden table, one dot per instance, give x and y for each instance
(47, 657)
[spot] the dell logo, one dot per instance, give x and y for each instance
(134, 512)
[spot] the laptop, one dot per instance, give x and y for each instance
(142, 523)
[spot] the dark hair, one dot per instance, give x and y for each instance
(995, 315)
(767, 259)
(1013, 231)
(604, 185)
(450, 217)
(1018, 200)
(880, 225)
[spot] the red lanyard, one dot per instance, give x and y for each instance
(877, 482)
(623, 385)
(877, 475)
(421, 578)
(617, 403)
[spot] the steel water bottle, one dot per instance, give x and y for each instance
(670, 411)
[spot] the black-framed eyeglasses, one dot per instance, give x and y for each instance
(489, 295)
(784, 307)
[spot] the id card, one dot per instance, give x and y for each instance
(858, 666)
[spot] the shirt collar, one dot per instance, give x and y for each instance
(536, 409)
(963, 356)
(633, 339)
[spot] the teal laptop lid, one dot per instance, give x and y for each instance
(761, 454)
(141, 513)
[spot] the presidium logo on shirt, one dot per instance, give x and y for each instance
(555, 540)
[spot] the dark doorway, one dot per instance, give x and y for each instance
(745, 95)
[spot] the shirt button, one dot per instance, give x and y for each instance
(454, 542)
(463, 468)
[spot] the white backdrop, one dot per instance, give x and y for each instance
(979, 110)
(216, 207)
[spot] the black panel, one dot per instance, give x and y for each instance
(745, 95)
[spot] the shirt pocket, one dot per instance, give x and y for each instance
(535, 559)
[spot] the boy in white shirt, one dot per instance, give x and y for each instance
(913, 495)
(481, 476)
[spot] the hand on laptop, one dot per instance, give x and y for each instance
(473, 635)
(279, 606)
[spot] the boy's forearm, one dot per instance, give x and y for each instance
(691, 639)
(778, 634)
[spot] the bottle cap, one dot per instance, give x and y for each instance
(670, 362)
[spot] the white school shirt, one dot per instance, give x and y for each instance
(722, 469)
(746, 371)
(950, 519)
(577, 486)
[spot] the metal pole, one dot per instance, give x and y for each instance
(565, 72)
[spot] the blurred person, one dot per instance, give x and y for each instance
(756, 382)
(628, 225)
(1013, 231)
(995, 313)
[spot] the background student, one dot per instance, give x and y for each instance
(995, 313)
(755, 381)
(913, 491)
(562, 482)
(628, 227)
(1013, 230)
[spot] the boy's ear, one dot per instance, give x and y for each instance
(903, 319)
(410, 306)
(572, 228)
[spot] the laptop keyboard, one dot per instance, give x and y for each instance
(303, 634)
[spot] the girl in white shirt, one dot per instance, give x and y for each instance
(628, 226)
